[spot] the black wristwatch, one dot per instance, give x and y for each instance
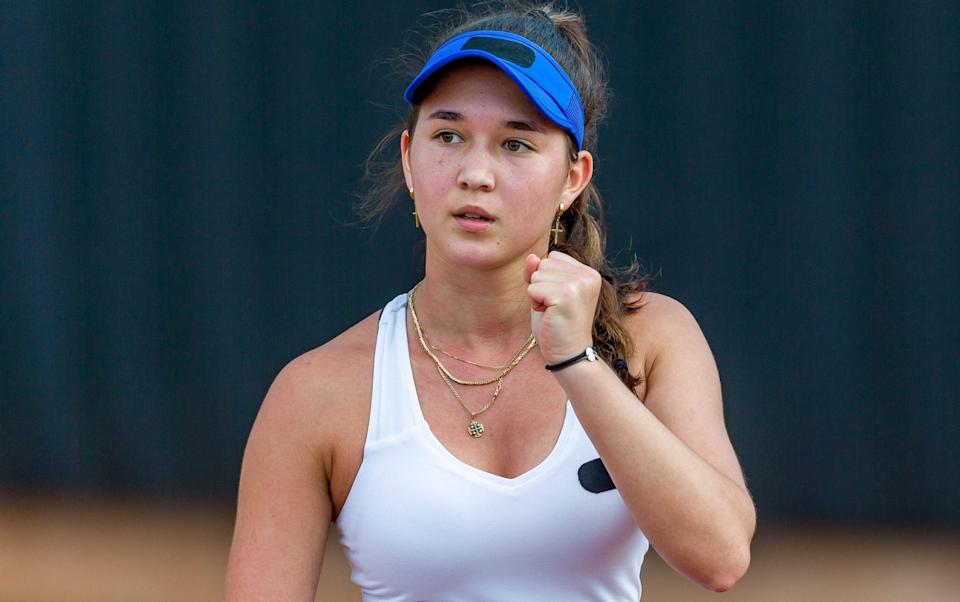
(589, 354)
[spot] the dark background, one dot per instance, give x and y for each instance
(174, 178)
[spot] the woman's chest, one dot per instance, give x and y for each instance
(504, 429)
(418, 517)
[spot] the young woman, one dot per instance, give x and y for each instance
(523, 423)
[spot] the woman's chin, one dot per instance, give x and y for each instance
(480, 255)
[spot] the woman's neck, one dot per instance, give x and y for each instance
(484, 314)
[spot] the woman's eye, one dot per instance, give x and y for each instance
(516, 146)
(448, 137)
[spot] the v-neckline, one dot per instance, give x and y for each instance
(557, 453)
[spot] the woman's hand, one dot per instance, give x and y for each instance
(563, 296)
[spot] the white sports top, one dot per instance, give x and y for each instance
(421, 525)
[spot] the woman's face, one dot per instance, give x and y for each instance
(482, 149)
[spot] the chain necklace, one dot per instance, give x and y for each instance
(475, 429)
(460, 359)
(530, 344)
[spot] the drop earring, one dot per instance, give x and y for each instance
(416, 218)
(557, 229)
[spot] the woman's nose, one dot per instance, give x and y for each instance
(476, 171)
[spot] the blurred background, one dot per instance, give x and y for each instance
(175, 183)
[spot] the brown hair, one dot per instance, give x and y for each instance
(562, 33)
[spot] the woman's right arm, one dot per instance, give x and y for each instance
(283, 505)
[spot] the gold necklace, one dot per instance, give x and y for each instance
(460, 359)
(475, 429)
(421, 336)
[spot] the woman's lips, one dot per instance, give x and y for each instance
(473, 224)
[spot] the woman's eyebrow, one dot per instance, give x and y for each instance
(527, 126)
(446, 115)
(512, 124)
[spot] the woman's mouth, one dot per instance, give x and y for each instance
(473, 222)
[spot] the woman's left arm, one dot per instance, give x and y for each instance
(670, 457)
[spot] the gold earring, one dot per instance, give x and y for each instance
(557, 229)
(416, 218)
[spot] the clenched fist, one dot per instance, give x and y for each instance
(563, 297)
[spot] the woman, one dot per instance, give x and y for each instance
(455, 466)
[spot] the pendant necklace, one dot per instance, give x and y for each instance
(475, 429)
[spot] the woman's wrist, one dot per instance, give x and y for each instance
(585, 380)
(581, 371)
(589, 354)
(559, 355)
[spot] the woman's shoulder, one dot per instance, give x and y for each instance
(323, 389)
(337, 365)
(318, 403)
(653, 307)
(658, 324)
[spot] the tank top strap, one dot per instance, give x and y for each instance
(393, 396)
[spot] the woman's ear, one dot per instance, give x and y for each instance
(579, 175)
(405, 158)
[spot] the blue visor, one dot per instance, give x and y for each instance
(537, 73)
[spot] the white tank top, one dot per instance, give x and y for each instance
(421, 525)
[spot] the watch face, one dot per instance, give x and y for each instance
(591, 354)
